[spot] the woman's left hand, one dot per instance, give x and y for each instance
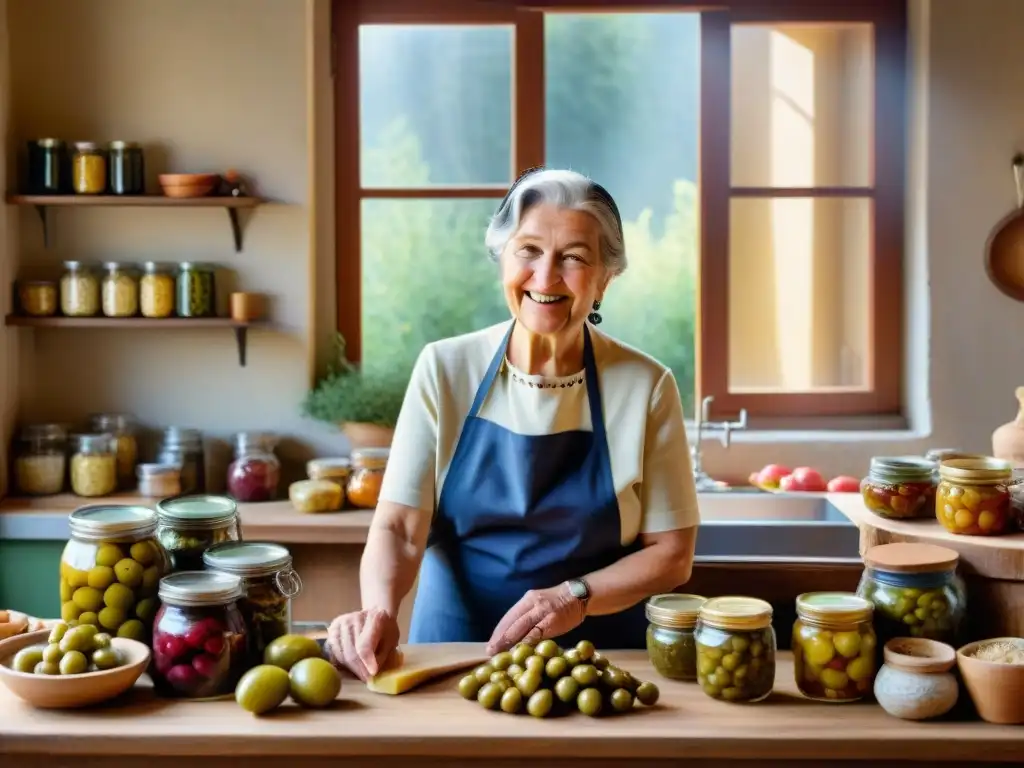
(539, 614)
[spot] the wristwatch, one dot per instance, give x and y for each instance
(579, 589)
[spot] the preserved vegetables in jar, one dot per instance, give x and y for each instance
(899, 487)
(368, 465)
(736, 649)
(255, 473)
(834, 646)
(915, 590)
(196, 290)
(184, 447)
(337, 470)
(973, 497)
(269, 584)
(315, 496)
(159, 481)
(671, 646)
(126, 172)
(111, 568)
(79, 290)
(88, 169)
(48, 171)
(37, 298)
(121, 427)
(120, 290)
(189, 525)
(40, 460)
(156, 291)
(93, 465)
(200, 646)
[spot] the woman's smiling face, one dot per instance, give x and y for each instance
(552, 270)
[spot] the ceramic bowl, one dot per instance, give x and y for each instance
(188, 184)
(72, 691)
(996, 688)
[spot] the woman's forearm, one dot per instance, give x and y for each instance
(391, 558)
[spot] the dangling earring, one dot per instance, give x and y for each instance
(595, 316)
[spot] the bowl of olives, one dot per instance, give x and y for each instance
(71, 665)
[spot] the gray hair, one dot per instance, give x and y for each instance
(566, 189)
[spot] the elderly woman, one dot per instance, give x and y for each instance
(539, 481)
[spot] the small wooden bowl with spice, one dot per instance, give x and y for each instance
(993, 673)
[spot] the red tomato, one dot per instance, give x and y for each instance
(808, 479)
(771, 475)
(844, 484)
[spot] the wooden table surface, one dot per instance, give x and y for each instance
(434, 726)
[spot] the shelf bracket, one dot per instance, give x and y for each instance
(236, 230)
(241, 340)
(41, 210)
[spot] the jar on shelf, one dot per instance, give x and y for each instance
(40, 460)
(111, 568)
(121, 427)
(671, 646)
(915, 590)
(316, 496)
(337, 470)
(79, 290)
(256, 471)
(93, 465)
(89, 169)
(127, 174)
(269, 584)
(159, 481)
(736, 648)
(37, 298)
(196, 290)
(48, 167)
(184, 447)
(189, 525)
(156, 290)
(939, 455)
(200, 647)
(834, 646)
(368, 465)
(973, 497)
(120, 290)
(899, 487)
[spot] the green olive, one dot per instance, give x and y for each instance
(469, 687)
(599, 661)
(647, 694)
(514, 670)
(73, 663)
(499, 676)
(589, 702)
(585, 674)
(521, 653)
(585, 649)
(489, 696)
(567, 689)
(101, 640)
(58, 632)
(556, 667)
(621, 700)
(106, 658)
(261, 689)
(540, 703)
(615, 678)
(512, 701)
(27, 659)
(78, 639)
(536, 663)
(52, 653)
(46, 668)
(502, 661)
(548, 649)
(483, 673)
(529, 682)
(572, 657)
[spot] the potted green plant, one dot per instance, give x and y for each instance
(364, 403)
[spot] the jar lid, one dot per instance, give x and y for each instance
(899, 468)
(112, 266)
(90, 440)
(736, 613)
(371, 458)
(187, 265)
(200, 588)
(910, 557)
(154, 470)
(838, 607)
(337, 467)
(941, 454)
(104, 422)
(44, 432)
(86, 146)
(124, 145)
(675, 611)
(182, 435)
(49, 143)
(73, 265)
(981, 471)
(197, 511)
(156, 266)
(247, 558)
(101, 521)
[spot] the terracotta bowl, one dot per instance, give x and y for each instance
(59, 692)
(188, 184)
(997, 689)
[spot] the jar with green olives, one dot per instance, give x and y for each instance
(111, 568)
(736, 649)
(915, 590)
(196, 290)
(190, 525)
(834, 646)
(671, 646)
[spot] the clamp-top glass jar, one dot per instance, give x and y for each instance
(973, 497)
(736, 649)
(121, 427)
(269, 584)
(671, 646)
(93, 464)
(834, 646)
(40, 460)
(190, 525)
(368, 465)
(255, 473)
(899, 487)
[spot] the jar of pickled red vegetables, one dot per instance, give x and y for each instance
(973, 497)
(736, 649)
(834, 646)
(200, 647)
(899, 487)
(256, 471)
(915, 590)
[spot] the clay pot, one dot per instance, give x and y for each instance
(362, 435)
(996, 689)
(1008, 440)
(915, 682)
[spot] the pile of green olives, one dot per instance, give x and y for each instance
(70, 650)
(537, 680)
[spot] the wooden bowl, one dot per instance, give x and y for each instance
(72, 691)
(997, 689)
(188, 184)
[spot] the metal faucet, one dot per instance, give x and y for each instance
(702, 479)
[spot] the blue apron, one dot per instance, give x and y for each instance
(521, 512)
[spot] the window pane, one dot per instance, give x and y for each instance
(443, 93)
(622, 106)
(426, 276)
(799, 294)
(802, 105)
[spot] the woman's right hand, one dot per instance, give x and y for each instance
(364, 642)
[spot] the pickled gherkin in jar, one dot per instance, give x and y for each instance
(834, 646)
(671, 646)
(196, 290)
(736, 649)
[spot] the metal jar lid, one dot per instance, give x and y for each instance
(250, 559)
(200, 588)
(98, 522)
(121, 145)
(197, 512)
(901, 469)
(674, 611)
(840, 608)
(736, 613)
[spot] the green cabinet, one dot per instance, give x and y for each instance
(30, 577)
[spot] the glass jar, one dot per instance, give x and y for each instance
(899, 487)
(255, 473)
(671, 646)
(939, 455)
(41, 460)
(973, 497)
(37, 298)
(736, 649)
(368, 465)
(93, 465)
(47, 167)
(269, 585)
(121, 427)
(88, 169)
(111, 568)
(200, 647)
(834, 646)
(337, 470)
(189, 525)
(156, 290)
(184, 447)
(316, 496)
(127, 174)
(196, 290)
(79, 290)
(120, 290)
(915, 590)
(159, 481)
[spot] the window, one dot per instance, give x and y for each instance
(755, 152)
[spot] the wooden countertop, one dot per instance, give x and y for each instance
(435, 722)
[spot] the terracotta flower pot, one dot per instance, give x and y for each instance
(362, 435)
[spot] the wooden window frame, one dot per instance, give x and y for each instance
(882, 397)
